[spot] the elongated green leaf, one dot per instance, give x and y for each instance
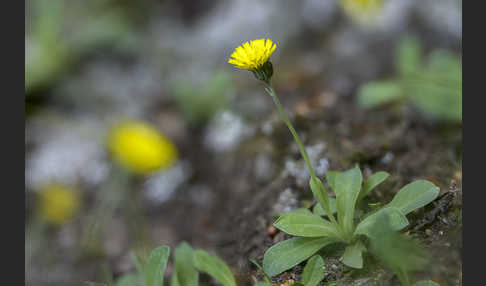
(320, 193)
(288, 253)
(318, 210)
(437, 88)
(426, 283)
(395, 250)
(414, 195)
(331, 179)
(445, 63)
(347, 186)
(373, 181)
(438, 100)
(397, 220)
(213, 266)
(174, 281)
(408, 56)
(353, 256)
(155, 268)
(377, 93)
(185, 273)
(306, 225)
(313, 271)
(127, 280)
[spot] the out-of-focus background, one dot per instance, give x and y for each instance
(377, 84)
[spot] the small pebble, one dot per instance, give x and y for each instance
(458, 175)
(288, 282)
(388, 158)
(271, 231)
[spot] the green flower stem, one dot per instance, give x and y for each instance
(325, 201)
(285, 118)
(111, 197)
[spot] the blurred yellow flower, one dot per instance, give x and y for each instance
(141, 148)
(363, 11)
(58, 203)
(252, 55)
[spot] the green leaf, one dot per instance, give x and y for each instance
(438, 100)
(395, 250)
(174, 281)
(320, 193)
(213, 266)
(444, 63)
(288, 253)
(426, 283)
(331, 179)
(352, 256)
(127, 280)
(377, 93)
(414, 195)
(437, 89)
(397, 220)
(373, 181)
(347, 186)
(185, 273)
(408, 56)
(313, 271)
(155, 268)
(439, 97)
(306, 225)
(318, 210)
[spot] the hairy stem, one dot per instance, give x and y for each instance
(285, 118)
(325, 201)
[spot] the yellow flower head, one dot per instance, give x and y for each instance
(363, 11)
(141, 148)
(58, 203)
(252, 55)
